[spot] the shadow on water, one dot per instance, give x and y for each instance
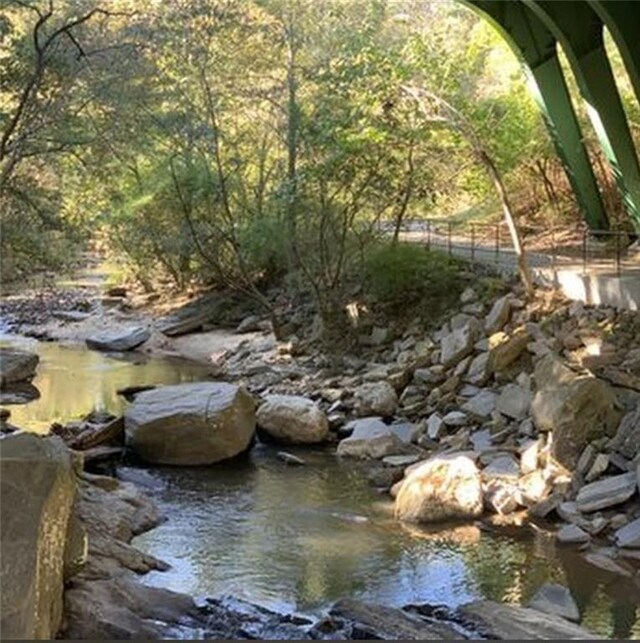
(299, 538)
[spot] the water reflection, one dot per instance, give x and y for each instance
(300, 538)
(72, 381)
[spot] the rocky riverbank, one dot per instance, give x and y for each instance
(513, 411)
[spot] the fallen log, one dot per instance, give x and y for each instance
(94, 436)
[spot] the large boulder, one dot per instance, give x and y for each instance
(17, 366)
(191, 424)
(293, 419)
(578, 408)
(123, 340)
(442, 488)
(37, 488)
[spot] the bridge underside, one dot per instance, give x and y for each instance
(533, 29)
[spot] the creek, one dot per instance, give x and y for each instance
(299, 538)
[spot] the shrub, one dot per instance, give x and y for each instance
(409, 275)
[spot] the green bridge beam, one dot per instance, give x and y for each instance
(535, 45)
(580, 32)
(622, 19)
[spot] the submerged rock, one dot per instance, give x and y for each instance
(442, 488)
(123, 340)
(556, 599)
(191, 424)
(17, 366)
(292, 419)
(37, 489)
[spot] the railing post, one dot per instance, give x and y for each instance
(473, 242)
(497, 258)
(449, 237)
(428, 234)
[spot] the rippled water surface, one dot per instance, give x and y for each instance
(298, 538)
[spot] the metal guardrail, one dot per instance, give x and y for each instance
(604, 250)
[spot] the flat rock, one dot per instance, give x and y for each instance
(572, 535)
(505, 349)
(479, 370)
(481, 405)
(607, 492)
(390, 624)
(556, 599)
(498, 315)
(435, 426)
(400, 460)
(504, 467)
(513, 623)
(457, 344)
(124, 340)
(455, 418)
(290, 458)
(371, 438)
(73, 316)
(514, 402)
(629, 535)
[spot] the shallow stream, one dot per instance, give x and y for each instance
(298, 538)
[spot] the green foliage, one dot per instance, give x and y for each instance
(406, 275)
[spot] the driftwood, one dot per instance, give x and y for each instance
(129, 392)
(97, 435)
(95, 454)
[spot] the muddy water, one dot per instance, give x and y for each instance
(298, 538)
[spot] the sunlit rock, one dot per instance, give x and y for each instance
(191, 424)
(293, 419)
(36, 495)
(441, 488)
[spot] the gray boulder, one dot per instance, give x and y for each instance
(293, 419)
(191, 424)
(37, 488)
(17, 366)
(375, 398)
(578, 408)
(123, 340)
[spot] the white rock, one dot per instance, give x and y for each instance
(292, 419)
